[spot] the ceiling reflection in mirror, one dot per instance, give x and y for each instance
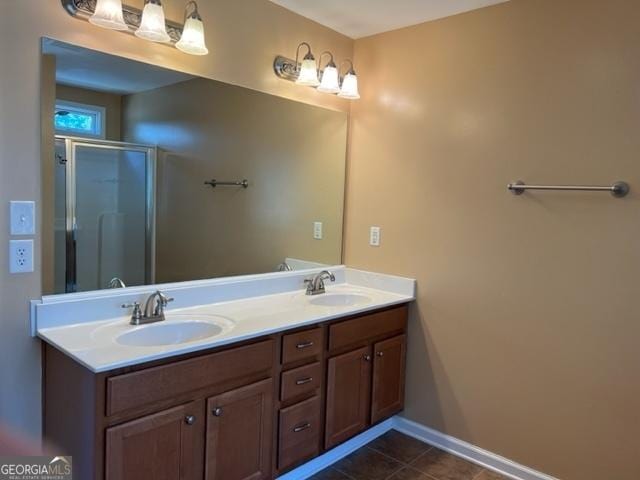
(155, 176)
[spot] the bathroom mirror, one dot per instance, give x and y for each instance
(154, 176)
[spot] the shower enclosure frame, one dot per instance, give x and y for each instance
(70, 145)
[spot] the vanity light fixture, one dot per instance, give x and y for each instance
(108, 14)
(192, 39)
(149, 23)
(329, 82)
(308, 71)
(349, 88)
(153, 26)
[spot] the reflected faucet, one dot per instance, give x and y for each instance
(315, 285)
(153, 309)
(284, 267)
(116, 283)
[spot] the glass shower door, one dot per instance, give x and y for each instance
(109, 215)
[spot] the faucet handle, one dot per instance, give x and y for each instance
(166, 300)
(136, 315)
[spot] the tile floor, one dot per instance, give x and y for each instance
(395, 456)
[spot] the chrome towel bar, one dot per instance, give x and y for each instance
(618, 189)
(241, 183)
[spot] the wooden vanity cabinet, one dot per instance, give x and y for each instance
(165, 446)
(249, 411)
(365, 384)
(239, 427)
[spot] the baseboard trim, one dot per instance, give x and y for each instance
(468, 451)
(332, 456)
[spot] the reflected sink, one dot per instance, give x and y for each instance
(339, 299)
(170, 332)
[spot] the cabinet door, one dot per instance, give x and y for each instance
(164, 446)
(239, 433)
(388, 378)
(348, 395)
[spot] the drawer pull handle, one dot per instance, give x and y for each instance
(380, 354)
(367, 358)
(302, 381)
(302, 345)
(300, 428)
(217, 412)
(190, 419)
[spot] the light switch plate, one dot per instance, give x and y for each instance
(317, 230)
(22, 218)
(20, 256)
(374, 236)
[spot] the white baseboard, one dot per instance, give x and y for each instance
(467, 451)
(332, 456)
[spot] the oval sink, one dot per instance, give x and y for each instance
(339, 299)
(159, 334)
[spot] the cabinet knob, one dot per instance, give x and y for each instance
(190, 419)
(302, 345)
(217, 412)
(303, 381)
(380, 354)
(367, 358)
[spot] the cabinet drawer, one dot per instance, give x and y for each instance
(301, 345)
(361, 329)
(133, 390)
(299, 437)
(300, 381)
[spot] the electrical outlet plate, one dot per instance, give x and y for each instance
(22, 218)
(20, 256)
(317, 230)
(374, 236)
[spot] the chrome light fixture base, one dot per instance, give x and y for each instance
(83, 9)
(286, 68)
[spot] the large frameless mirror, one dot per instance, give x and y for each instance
(155, 176)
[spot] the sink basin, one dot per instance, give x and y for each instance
(172, 332)
(339, 299)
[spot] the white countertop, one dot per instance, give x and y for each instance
(96, 343)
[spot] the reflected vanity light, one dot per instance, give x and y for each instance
(149, 23)
(153, 26)
(108, 14)
(192, 39)
(306, 73)
(329, 82)
(349, 88)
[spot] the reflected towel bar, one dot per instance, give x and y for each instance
(618, 189)
(241, 183)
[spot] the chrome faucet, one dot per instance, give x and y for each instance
(116, 283)
(153, 309)
(315, 285)
(284, 267)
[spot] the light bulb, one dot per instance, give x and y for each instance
(349, 88)
(153, 26)
(108, 14)
(329, 82)
(192, 39)
(308, 73)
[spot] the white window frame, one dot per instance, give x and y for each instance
(99, 113)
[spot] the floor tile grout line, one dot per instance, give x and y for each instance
(343, 473)
(429, 447)
(479, 473)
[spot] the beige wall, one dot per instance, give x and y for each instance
(524, 339)
(112, 103)
(243, 38)
(292, 154)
